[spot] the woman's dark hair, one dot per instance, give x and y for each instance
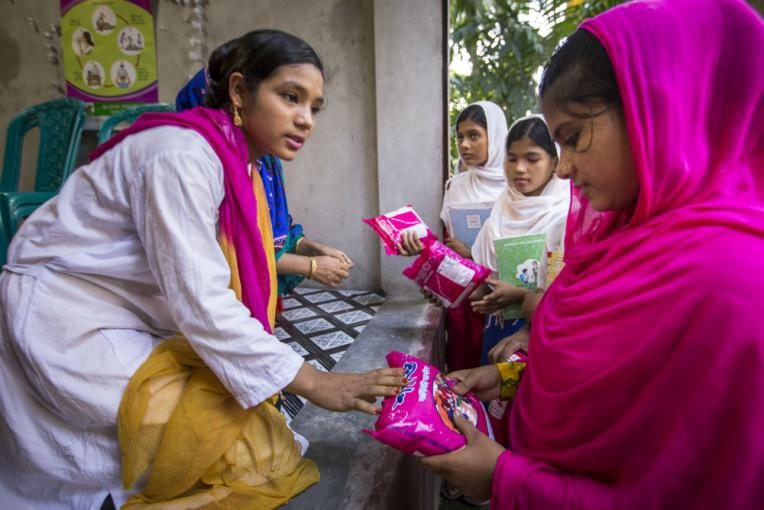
(475, 113)
(536, 130)
(580, 71)
(256, 55)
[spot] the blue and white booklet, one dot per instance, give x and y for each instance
(467, 219)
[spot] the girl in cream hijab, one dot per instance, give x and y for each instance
(534, 201)
(480, 132)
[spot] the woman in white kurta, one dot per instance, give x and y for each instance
(126, 255)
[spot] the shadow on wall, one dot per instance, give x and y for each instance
(10, 56)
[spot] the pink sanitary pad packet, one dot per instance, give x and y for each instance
(419, 419)
(445, 273)
(390, 226)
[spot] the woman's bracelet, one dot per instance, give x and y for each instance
(312, 268)
(297, 245)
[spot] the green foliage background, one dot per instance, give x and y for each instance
(506, 50)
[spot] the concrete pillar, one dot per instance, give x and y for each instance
(411, 122)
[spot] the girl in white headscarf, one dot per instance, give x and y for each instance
(480, 132)
(534, 201)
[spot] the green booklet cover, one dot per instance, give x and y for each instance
(521, 261)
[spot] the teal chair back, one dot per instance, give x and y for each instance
(128, 117)
(15, 207)
(60, 122)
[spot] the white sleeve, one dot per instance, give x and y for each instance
(175, 198)
(446, 208)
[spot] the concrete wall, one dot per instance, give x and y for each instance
(410, 116)
(332, 183)
(26, 74)
(377, 146)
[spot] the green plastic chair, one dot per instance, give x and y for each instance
(60, 123)
(16, 206)
(128, 117)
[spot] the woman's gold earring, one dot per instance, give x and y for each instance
(237, 118)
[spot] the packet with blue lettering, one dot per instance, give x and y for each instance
(419, 419)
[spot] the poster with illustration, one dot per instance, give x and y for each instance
(109, 51)
(522, 261)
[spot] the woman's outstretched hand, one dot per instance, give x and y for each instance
(347, 391)
(471, 468)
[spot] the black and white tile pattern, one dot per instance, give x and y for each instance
(320, 325)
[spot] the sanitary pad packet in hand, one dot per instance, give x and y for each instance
(419, 419)
(445, 273)
(391, 226)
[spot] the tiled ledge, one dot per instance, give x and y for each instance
(358, 472)
(320, 325)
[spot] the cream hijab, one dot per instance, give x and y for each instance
(480, 183)
(516, 214)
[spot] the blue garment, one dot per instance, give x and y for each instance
(496, 330)
(285, 232)
(192, 93)
(272, 175)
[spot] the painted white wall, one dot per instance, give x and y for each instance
(332, 183)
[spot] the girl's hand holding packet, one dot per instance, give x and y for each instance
(419, 419)
(391, 226)
(445, 273)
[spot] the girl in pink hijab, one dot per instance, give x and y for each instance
(645, 382)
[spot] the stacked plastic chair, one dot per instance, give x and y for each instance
(60, 124)
(127, 117)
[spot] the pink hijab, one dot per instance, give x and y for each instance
(645, 387)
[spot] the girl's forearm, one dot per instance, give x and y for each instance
(289, 263)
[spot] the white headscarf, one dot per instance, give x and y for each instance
(516, 214)
(481, 183)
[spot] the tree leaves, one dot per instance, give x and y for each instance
(506, 50)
